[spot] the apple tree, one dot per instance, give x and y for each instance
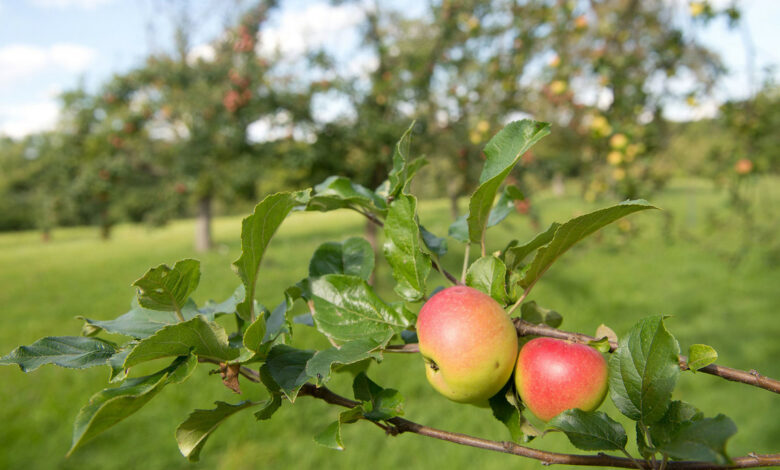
(164, 323)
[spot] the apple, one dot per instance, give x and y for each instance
(743, 166)
(554, 375)
(468, 342)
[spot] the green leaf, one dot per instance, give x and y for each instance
(703, 439)
(701, 355)
(203, 338)
(354, 257)
(183, 369)
(514, 254)
(330, 437)
(167, 289)
(110, 406)
(74, 352)
(403, 170)
(287, 367)
(601, 344)
(507, 408)
(679, 413)
(503, 152)
(254, 334)
(436, 245)
(488, 275)
(350, 352)
(346, 308)
(338, 192)
(256, 232)
(533, 313)
(572, 232)
(505, 205)
(642, 446)
(386, 404)
(643, 371)
(277, 322)
(140, 322)
(192, 434)
(117, 363)
(378, 403)
(459, 230)
(590, 430)
(269, 407)
(365, 389)
(403, 249)
(228, 306)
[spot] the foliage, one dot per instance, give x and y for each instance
(362, 327)
(173, 136)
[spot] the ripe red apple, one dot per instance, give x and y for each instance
(468, 342)
(553, 375)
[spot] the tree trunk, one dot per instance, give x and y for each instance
(370, 235)
(454, 211)
(105, 226)
(558, 187)
(46, 235)
(203, 225)
(105, 231)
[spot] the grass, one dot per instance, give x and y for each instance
(678, 262)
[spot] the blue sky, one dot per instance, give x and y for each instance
(47, 46)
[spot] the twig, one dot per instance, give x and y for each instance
(465, 263)
(520, 300)
(525, 328)
(752, 377)
(370, 217)
(635, 461)
(178, 313)
(444, 272)
(403, 348)
(402, 425)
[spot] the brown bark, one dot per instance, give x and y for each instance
(203, 240)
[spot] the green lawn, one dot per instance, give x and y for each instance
(681, 268)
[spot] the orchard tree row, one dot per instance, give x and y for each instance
(187, 134)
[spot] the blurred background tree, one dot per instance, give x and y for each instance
(194, 129)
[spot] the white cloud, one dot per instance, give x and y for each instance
(296, 31)
(85, 4)
(681, 111)
(19, 61)
(204, 52)
(72, 57)
(23, 119)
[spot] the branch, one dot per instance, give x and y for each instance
(401, 425)
(525, 328)
(752, 377)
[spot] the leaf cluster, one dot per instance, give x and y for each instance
(165, 323)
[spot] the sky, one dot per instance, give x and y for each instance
(49, 46)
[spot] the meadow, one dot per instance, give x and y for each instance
(695, 261)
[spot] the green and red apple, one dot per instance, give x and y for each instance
(554, 375)
(468, 342)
